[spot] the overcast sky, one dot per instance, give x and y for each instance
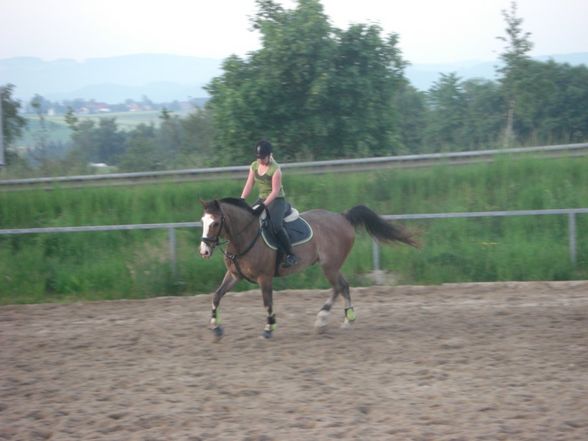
(431, 31)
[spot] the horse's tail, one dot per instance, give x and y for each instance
(377, 227)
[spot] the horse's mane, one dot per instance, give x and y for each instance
(237, 202)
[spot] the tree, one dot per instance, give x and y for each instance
(110, 142)
(197, 143)
(103, 143)
(368, 74)
(516, 63)
(40, 153)
(411, 117)
(71, 119)
(83, 143)
(12, 123)
(315, 91)
(142, 150)
(446, 115)
(278, 92)
(170, 136)
(553, 108)
(484, 111)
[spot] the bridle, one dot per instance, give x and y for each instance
(213, 242)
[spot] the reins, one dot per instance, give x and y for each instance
(234, 257)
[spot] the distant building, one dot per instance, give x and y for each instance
(102, 168)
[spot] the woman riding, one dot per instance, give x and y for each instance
(266, 173)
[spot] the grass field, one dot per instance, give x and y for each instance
(59, 267)
(58, 131)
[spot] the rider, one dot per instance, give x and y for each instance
(266, 172)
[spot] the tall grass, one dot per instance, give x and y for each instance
(135, 264)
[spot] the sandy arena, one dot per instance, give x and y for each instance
(505, 361)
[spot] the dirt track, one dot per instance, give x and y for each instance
(454, 362)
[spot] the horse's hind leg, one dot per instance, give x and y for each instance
(322, 319)
(349, 311)
(340, 286)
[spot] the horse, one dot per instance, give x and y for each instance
(246, 256)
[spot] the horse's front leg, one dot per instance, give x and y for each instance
(267, 292)
(215, 322)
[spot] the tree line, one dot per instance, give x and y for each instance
(319, 92)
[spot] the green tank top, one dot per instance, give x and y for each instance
(264, 183)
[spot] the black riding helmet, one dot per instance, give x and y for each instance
(263, 149)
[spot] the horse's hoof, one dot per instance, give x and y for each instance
(266, 334)
(320, 329)
(346, 324)
(218, 333)
(322, 319)
(350, 315)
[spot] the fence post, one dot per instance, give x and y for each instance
(572, 237)
(375, 255)
(377, 273)
(172, 250)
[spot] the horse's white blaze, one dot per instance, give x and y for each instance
(207, 221)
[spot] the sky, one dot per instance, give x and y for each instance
(431, 31)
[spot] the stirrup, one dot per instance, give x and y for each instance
(289, 261)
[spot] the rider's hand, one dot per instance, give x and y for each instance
(258, 208)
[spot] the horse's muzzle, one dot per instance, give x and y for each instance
(205, 253)
(205, 250)
(207, 246)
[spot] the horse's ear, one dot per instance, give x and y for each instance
(210, 205)
(205, 204)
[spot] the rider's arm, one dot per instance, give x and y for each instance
(248, 184)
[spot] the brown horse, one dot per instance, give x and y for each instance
(247, 256)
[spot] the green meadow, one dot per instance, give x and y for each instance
(136, 264)
(56, 130)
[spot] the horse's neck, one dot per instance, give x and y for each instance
(242, 225)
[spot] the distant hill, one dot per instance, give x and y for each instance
(165, 78)
(113, 80)
(422, 76)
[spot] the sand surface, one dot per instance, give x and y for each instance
(505, 361)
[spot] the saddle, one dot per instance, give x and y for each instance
(297, 228)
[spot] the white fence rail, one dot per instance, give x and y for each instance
(308, 167)
(170, 227)
(571, 213)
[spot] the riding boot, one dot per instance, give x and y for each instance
(284, 240)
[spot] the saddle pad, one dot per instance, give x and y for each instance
(299, 232)
(291, 214)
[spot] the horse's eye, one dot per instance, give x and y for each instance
(215, 224)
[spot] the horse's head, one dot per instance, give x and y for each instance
(212, 226)
(220, 216)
